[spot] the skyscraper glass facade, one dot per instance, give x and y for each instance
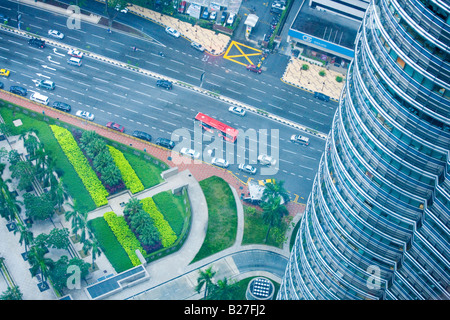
(376, 225)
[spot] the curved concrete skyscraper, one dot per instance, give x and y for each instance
(377, 221)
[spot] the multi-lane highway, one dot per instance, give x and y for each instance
(132, 99)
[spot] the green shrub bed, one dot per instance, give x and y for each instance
(125, 236)
(129, 176)
(167, 235)
(171, 206)
(109, 244)
(81, 165)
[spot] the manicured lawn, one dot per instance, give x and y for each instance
(222, 217)
(111, 248)
(64, 168)
(149, 174)
(173, 209)
(255, 229)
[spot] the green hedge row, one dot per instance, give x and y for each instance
(167, 235)
(109, 244)
(81, 165)
(125, 236)
(129, 176)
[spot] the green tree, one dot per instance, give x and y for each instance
(96, 251)
(205, 280)
(24, 171)
(26, 236)
(12, 293)
(133, 206)
(273, 211)
(110, 9)
(31, 143)
(223, 290)
(39, 263)
(58, 238)
(13, 157)
(111, 174)
(38, 207)
(275, 189)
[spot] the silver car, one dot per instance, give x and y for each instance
(190, 153)
(266, 160)
(237, 110)
(56, 34)
(247, 168)
(85, 115)
(220, 162)
(173, 32)
(197, 46)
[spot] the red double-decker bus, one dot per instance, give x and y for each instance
(214, 126)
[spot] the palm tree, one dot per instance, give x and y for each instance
(224, 290)
(276, 189)
(12, 293)
(79, 223)
(59, 194)
(26, 236)
(96, 251)
(273, 211)
(133, 206)
(205, 279)
(87, 138)
(111, 175)
(39, 263)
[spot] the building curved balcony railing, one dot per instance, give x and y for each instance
(395, 77)
(415, 52)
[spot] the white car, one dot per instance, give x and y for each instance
(296, 138)
(220, 162)
(190, 153)
(124, 10)
(247, 168)
(56, 34)
(173, 32)
(266, 160)
(75, 53)
(197, 46)
(237, 110)
(230, 19)
(85, 115)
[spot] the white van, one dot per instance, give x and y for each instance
(39, 98)
(74, 62)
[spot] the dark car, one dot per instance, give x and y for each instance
(223, 18)
(3, 18)
(166, 143)
(18, 90)
(164, 84)
(38, 43)
(321, 96)
(1, 85)
(253, 68)
(115, 126)
(142, 135)
(62, 106)
(205, 14)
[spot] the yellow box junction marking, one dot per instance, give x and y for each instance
(239, 47)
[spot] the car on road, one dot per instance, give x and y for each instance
(190, 153)
(37, 97)
(164, 84)
(62, 106)
(205, 14)
(213, 15)
(253, 68)
(74, 62)
(38, 43)
(223, 18)
(297, 138)
(56, 34)
(142, 135)
(230, 19)
(321, 96)
(220, 162)
(85, 115)
(266, 160)
(2, 85)
(237, 110)
(18, 90)
(166, 143)
(4, 19)
(182, 7)
(247, 168)
(75, 53)
(123, 10)
(4, 73)
(46, 84)
(115, 126)
(173, 32)
(197, 46)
